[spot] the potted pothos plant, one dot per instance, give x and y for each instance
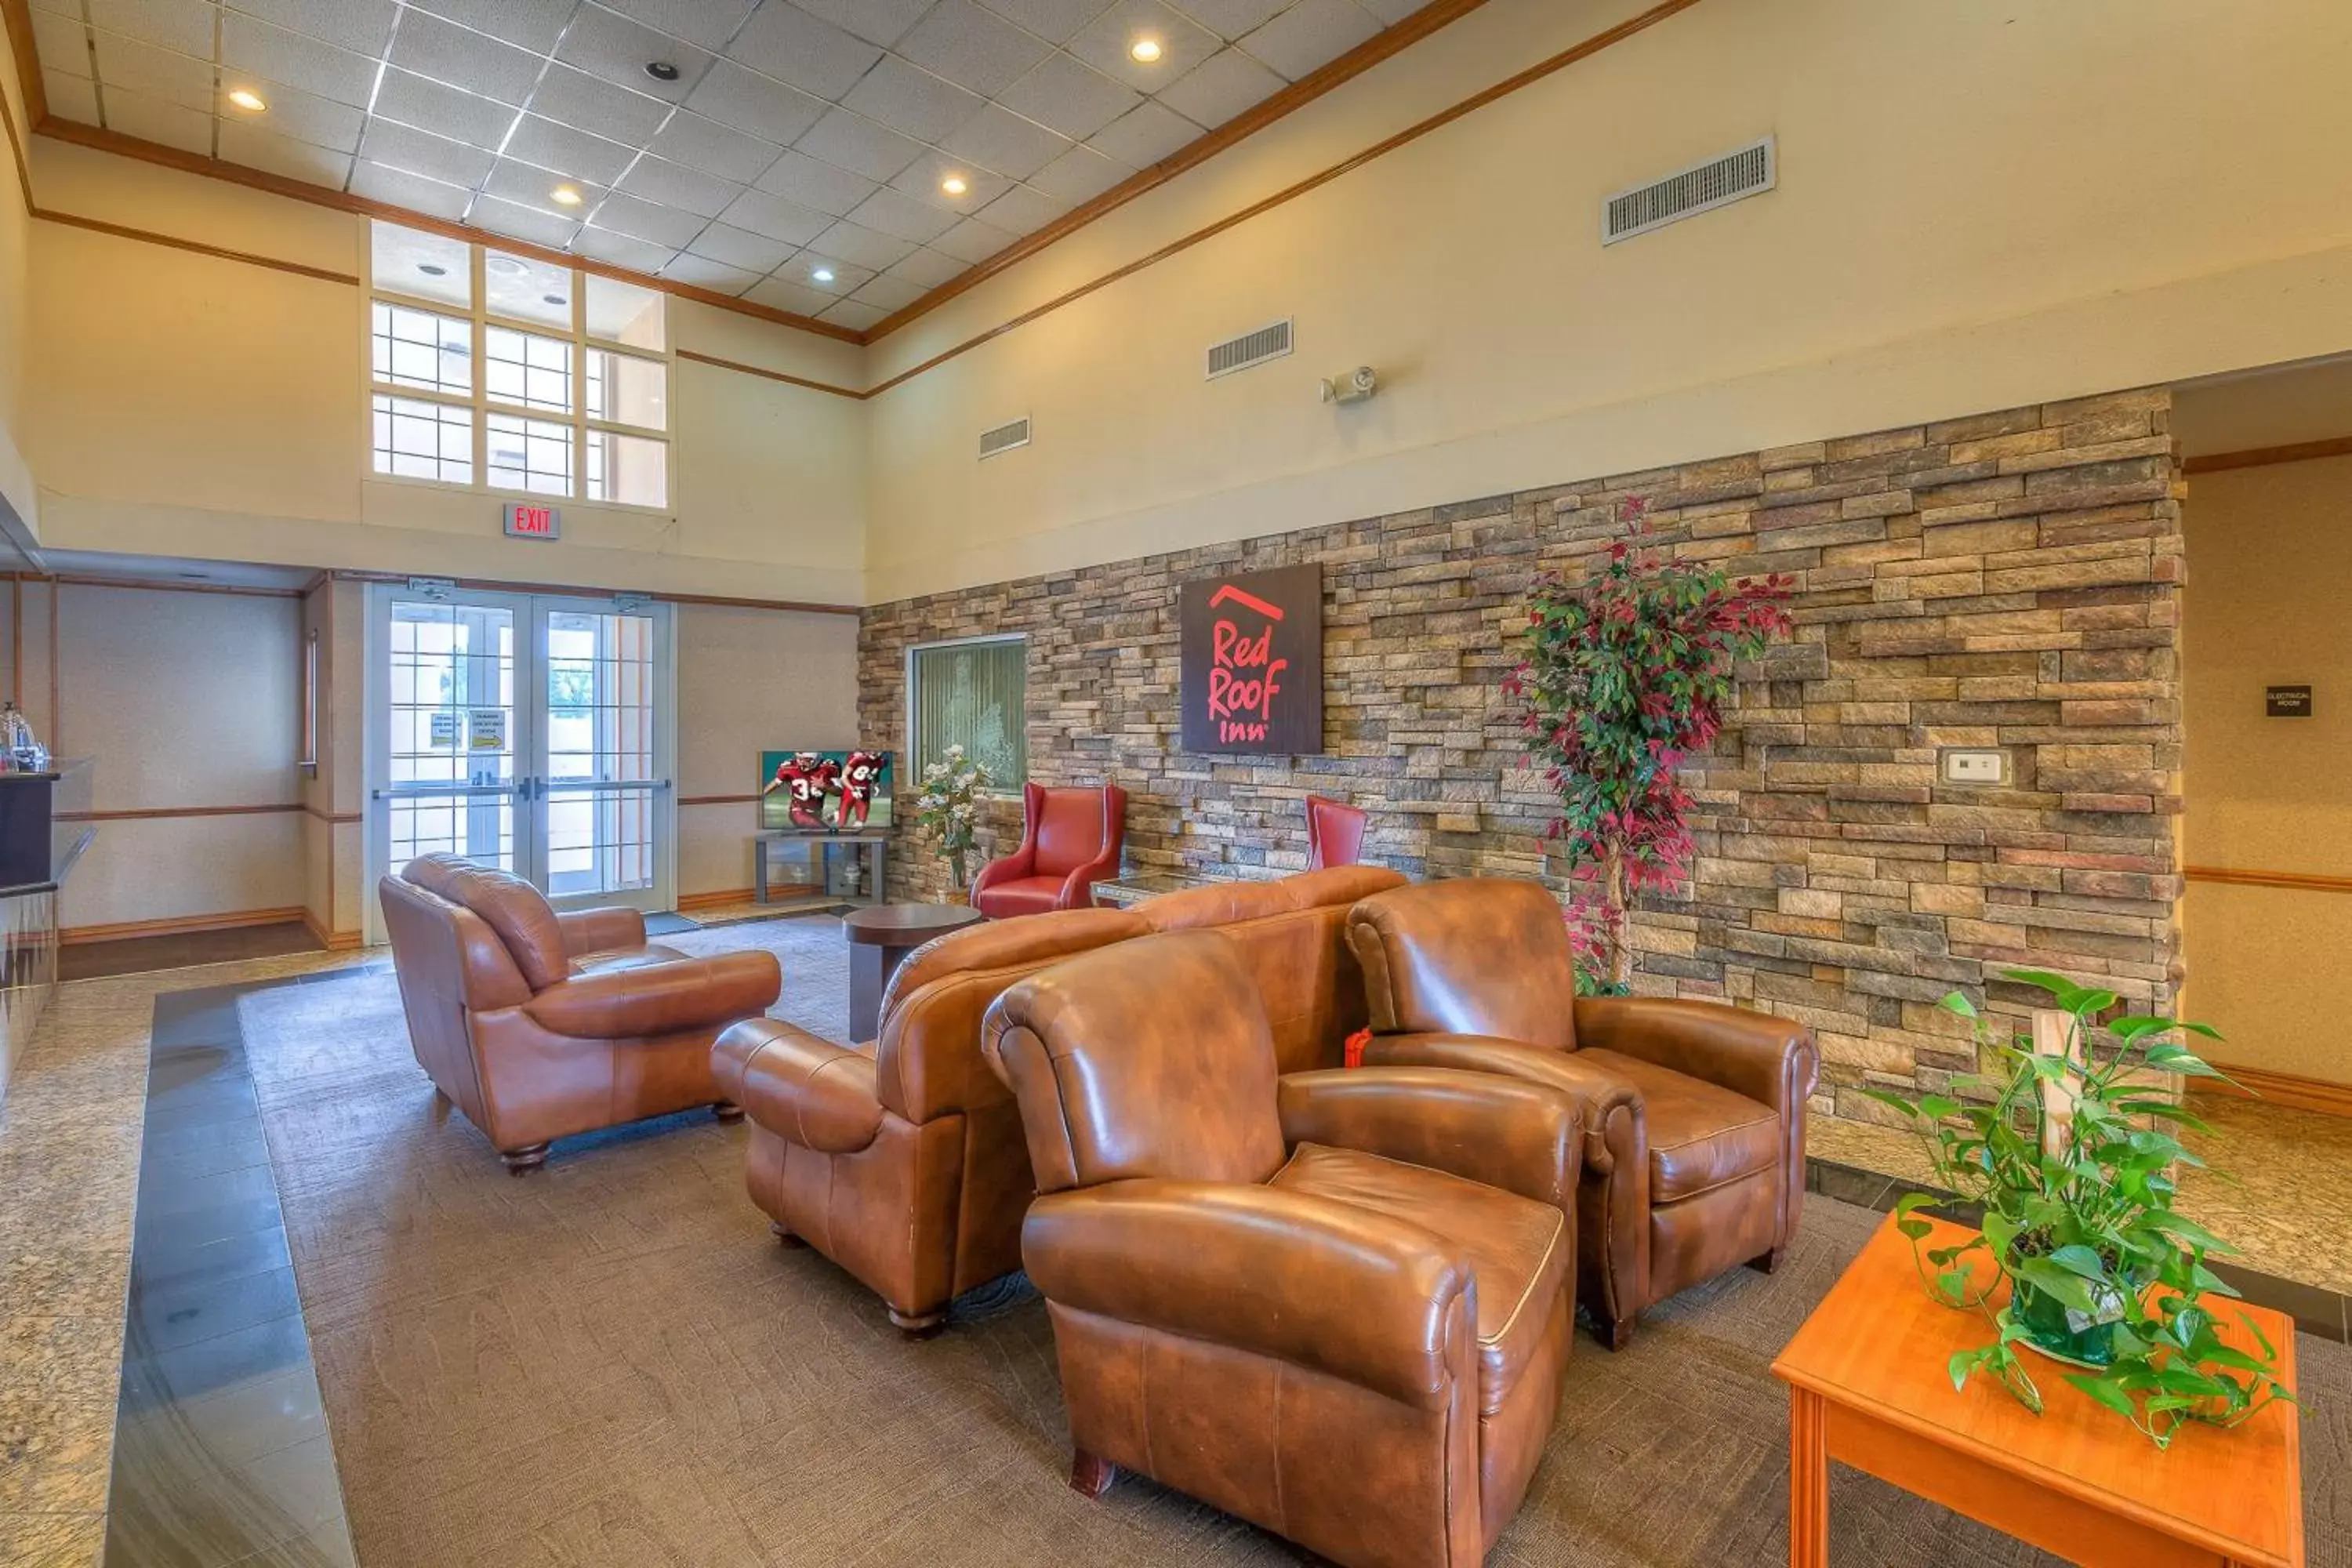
(1625, 672)
(949, 808)
(2070, 1154)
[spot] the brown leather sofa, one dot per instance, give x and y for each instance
(1335, 1303)
(1695, 1155)
(540, 1025)
(901, 1160)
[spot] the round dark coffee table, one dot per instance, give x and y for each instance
(880, 937)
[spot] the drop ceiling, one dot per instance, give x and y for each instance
(798, 136)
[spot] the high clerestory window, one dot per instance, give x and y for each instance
(504, 372)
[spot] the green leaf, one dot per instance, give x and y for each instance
(2105, 1391)
(1955, 1002)
(2057, 985)
(2080, 1259)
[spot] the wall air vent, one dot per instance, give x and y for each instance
(1003, 438)
(1250, 349)
(1751, 171)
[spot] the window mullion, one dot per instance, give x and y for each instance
(481, 399)
(579, 385)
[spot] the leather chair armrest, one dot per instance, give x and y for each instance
(613, 930)
(1601, 1093)
(1077, 888)
(660, 998)
(1513, 1133)
(818, 1094)
(1766, 1059)
(1364, 1297)
(1010, 868)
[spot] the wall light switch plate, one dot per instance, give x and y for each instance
(1964, 765)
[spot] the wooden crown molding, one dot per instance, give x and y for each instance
(2263, 456)
(2296, 880)
(499, 585)
(18, 16)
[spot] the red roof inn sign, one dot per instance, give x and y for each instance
(1253, 662)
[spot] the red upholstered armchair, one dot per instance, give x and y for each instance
(1070, 840)
(1335, 832)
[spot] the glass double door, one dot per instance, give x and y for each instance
(525, 731)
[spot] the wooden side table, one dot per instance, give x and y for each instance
(879, 939)
(1867, 1387)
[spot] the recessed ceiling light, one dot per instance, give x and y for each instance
(247, 98)
(661, 70)
(823, 274)
(955, 185)
(566, 195)
(433, 269)
(505, 265)
(1146, 50)
(555, 299)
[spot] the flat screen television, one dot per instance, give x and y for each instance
(824, 792)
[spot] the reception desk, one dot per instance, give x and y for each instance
(44, 828)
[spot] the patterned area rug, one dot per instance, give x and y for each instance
(611, 1363)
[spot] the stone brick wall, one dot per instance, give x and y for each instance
(2010, 580)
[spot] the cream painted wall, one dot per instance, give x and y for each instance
(2270, 551)
(1978, 207)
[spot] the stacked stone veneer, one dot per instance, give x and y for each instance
(2011, 580)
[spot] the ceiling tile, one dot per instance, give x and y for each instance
(1311, 34)
(710, 23)
(900, 216)
(1221, 88)
(535, 24)
(782, 294)
(621, 250)
(529, 186)
(419, 152)
(73, 96)
(1055, 21)
(1070, 98)
(361, 26)
(787, 42)
(740, 97)
(921, 179)
(855, 142)
(825, 276)
(68, 8)
(522, 222)
(1231, 18)
(1105, 43)
(242, 142)
(998, 139)
(674, 185)
(927, 269)
(153, 73)
(608, 45)
(742, 247)
(423, 102)
(712, 148)
(1391, 12)
(775, 217)
(879, 22)
(61, 43)
(431, 46)
(639, 219)
(1146, 136)
(814, 182)
(860, 245)
(1024, 210)
(575, 97)
(402, 189)
(293, 113)
(155, 120)
(704, 273)
(1079, 174)
(972, 240)
(910, 99)
(567, 151)
(182, 24)
(888, 292)
(971, 48)
(850, 313)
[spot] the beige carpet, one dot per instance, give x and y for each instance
(612, 1363)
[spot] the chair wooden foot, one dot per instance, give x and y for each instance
(1091, 1475)
(728, 1110)
(1769, 1261)
(524, 1161)
(917, 1325)
(784, 1234)
(1617, 1335)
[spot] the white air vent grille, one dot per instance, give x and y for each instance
(1004, 437)
(1751, 171)
(1249, 349)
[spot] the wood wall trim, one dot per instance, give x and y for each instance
(333, 818)
(332, 941)
(149, 237)
(2263, 456)
(719, 800)
(574, 590)
(767, 374)
(2277, 1088)
(234, 920)
(162, 813)
(95, 580)
(2299, 882)
(1411, 134)
(714, 899)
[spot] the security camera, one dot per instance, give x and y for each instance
(1353, 387)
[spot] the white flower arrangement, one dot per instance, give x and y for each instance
(948, 806)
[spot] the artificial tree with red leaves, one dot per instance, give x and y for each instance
(1626, 673)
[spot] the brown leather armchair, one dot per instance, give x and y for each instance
(1335, 1303)
(540, 1025)
(902, 1159)
(1070, 839)
(1695, 1157)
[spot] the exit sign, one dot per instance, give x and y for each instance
(533, 521)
